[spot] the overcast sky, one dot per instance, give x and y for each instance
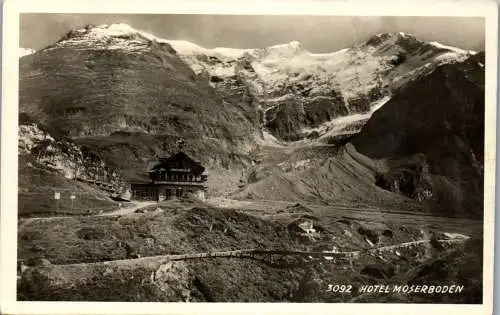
(317, 34)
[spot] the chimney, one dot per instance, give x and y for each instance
(180, 145)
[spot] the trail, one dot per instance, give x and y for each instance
(272, 255)
(129, 210)
(121, 211)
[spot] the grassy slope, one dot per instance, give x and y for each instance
(331, 176)
(130, 108)
(88, 239)
(96, 92)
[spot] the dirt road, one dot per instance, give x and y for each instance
(130, 209)
(125, 210)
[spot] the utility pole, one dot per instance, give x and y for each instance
(73, 197)
(57, 197)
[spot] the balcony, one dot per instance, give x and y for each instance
(179, 178)
(179, 183)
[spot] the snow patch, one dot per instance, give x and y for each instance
(343, 125)
(451, 57)
(456, 236)
(451, 48)
(232, 52)
(25, 51)
(184, 47)
(269, 140)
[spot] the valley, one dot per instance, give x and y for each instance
(376, 149)
(131, 254)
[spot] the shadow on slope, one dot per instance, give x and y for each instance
(342, 177)
(439, 121)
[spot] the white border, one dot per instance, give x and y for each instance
(9, 112)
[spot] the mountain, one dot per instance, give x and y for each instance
(301, 94)
(116, 92)
(108, 81)
(421, 151)
(127, 96)
(297, 94)
(372, 155)
(431, 133)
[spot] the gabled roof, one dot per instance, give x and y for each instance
(180, 157)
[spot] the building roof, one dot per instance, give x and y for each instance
(179, 158)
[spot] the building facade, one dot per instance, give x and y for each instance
(178, 176)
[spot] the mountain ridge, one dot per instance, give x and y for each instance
(286, 80)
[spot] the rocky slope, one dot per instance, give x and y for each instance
(422, 150)
(62, 155)
(49, 164)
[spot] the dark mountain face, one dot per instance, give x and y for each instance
(439, 119)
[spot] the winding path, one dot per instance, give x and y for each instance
(273, 256)
(131, 209)
(126, 210)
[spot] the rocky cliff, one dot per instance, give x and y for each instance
(432, 134)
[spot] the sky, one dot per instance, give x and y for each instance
(318, 34)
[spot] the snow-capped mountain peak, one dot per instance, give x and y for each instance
(402, 40)
(115, 36)
(287, 50)
(115, 30)
(25, 51)
(232, 52)
(326, 85)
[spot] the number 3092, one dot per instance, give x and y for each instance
(339, 288)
